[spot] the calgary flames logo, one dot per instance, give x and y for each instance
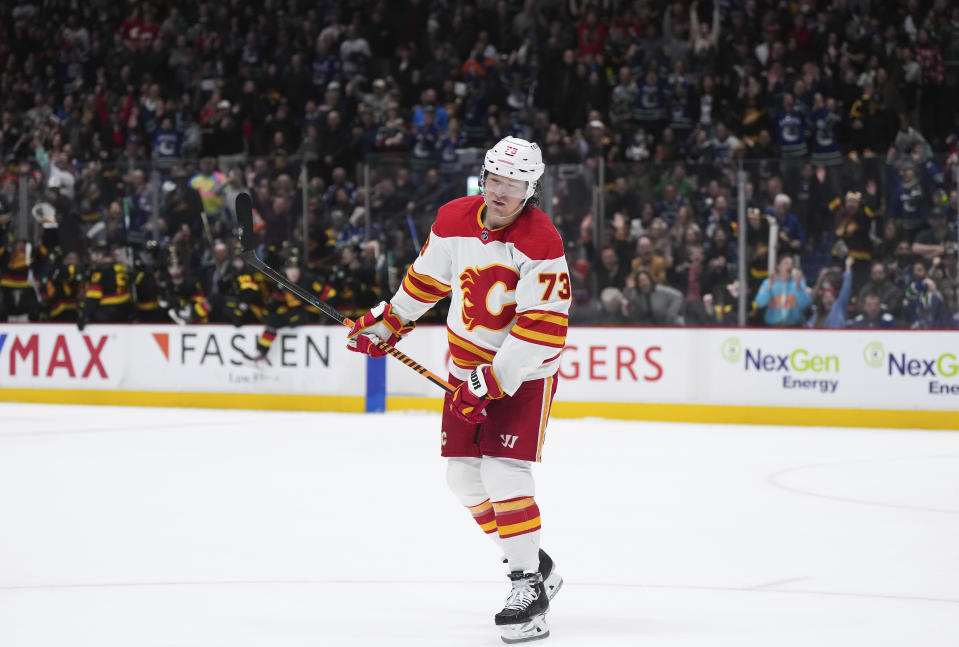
(488, 300)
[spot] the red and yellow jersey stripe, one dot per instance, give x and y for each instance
(541, 327)
(424, 288)
(466, 354)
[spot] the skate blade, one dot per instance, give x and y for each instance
(535, 629)
(552, 585)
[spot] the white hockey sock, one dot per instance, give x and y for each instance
(518, 523)
(522, 551)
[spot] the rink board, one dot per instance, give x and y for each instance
(853, 378)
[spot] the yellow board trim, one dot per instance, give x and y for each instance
(271, 401)
(727, 414)
(699, 413)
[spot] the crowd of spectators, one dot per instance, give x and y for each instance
(133, 126)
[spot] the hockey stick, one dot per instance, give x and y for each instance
(244, 217)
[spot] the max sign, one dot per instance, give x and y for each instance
(27, 356)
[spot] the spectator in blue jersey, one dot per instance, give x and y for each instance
(426, 139)
(791, 134)
(784, 295)
(826, 122)
(872, 315)
(830, 309)
(167, 142)
(651, 102)
(792, 238)
(327, 66)
(907, 203)
(428, 101)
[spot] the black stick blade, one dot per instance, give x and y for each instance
(244, 218)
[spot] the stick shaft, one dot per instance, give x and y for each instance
(250, 257)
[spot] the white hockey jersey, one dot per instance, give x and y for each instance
(510, 291)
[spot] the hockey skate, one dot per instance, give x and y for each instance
(552, 580)
(523, 618)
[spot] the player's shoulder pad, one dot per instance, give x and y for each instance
(535, 235)
(458, 217)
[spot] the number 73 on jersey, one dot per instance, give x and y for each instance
(550, 279)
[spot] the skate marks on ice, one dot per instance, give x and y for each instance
(893, 475)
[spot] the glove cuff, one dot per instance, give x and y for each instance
(482, 383)
(393, 322)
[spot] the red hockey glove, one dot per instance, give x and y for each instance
(471, 397)
(379, 324)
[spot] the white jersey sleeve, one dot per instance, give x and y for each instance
(538, 334)
(427, 280)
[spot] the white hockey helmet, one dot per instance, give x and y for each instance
(517, 159)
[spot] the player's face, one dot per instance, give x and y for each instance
(504, 199)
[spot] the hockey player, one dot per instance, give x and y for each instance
(502, 261)
(19, 294)
(107, 298)
(183, 295)
(62, 289)
(285, 310)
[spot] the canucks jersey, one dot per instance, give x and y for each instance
(509, 287)
(791, 134)
(825, 150)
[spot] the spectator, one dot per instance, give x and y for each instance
(61, 176)
(651, 303)
(609, 271)
(854, 230)
(791, 236)
(784, 295)
(830, 309)
(648, 259)
(936, 239)
(879, 283)
(872, 315)
(907, 204)
(208, 181)
(924, 304)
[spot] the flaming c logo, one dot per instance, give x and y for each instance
(488, 300)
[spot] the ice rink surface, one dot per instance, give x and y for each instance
(160, 527)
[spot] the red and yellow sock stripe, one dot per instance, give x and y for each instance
(484, 515)
(266, 340)
(516, 517)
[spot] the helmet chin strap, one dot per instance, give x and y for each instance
(521, 207)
